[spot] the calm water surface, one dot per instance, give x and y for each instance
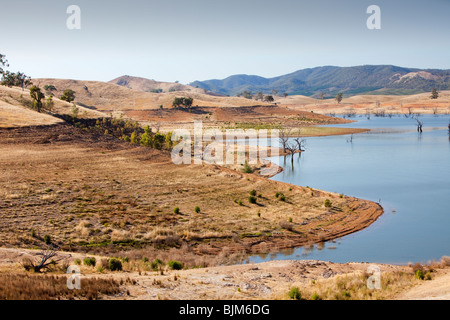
(407, 172)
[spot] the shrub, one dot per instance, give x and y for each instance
(290, 220)
(197, 209)
(175, 265)
(252, 199)
(240, 203)
(315, 296)
(295, 293)
(47, 239)
(282, 197)
(155, 264)
(176, 210)
(277, 194)
(420, 275)
(90, 262)
(327, 203)
(115, 264)
(77, 262)
(247, 168)
(252, 193)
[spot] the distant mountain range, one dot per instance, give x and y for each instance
(329, 80)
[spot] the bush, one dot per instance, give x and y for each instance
(240, 203)
(282, 197)
(252, 199)
(175, 265)
(115, 264)
(315, 296)
(252, 193)
(295, 293)
(77, 262)
(420, 275)
(156, 264)
(47, 239)
(197, 209)
(176, 210)
(90, 262)
(247, 168)
(327, 203)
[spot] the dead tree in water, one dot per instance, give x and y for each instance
(419, 126)
(292, 150)
(350, 139)
(284, 138)
(299, 142)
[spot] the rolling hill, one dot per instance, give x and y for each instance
(368, 79)
(148, 85)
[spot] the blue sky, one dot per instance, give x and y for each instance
(189, 40)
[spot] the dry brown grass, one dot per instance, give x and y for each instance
(54, 287)
(353, 286)
(95, 193)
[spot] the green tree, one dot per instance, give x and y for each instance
(182, 102)
(169, 142)
(269, 99)
(18, 79)
(8, 79)
(3, 63)
(134, 138)
(49, 88)
(22, 80)
(434, 94)
(259, 96)
(147, 138)
(247, 95)
(339, 97)
(49, 104)
(68, 95)
(37, 97)
(158, 141)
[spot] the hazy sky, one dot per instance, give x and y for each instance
(189, 40)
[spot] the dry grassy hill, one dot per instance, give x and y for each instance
(418, 103)
(108, 97)
(16, 109)
(148, 85)
(14, 116)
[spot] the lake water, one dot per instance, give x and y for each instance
(407, 172)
